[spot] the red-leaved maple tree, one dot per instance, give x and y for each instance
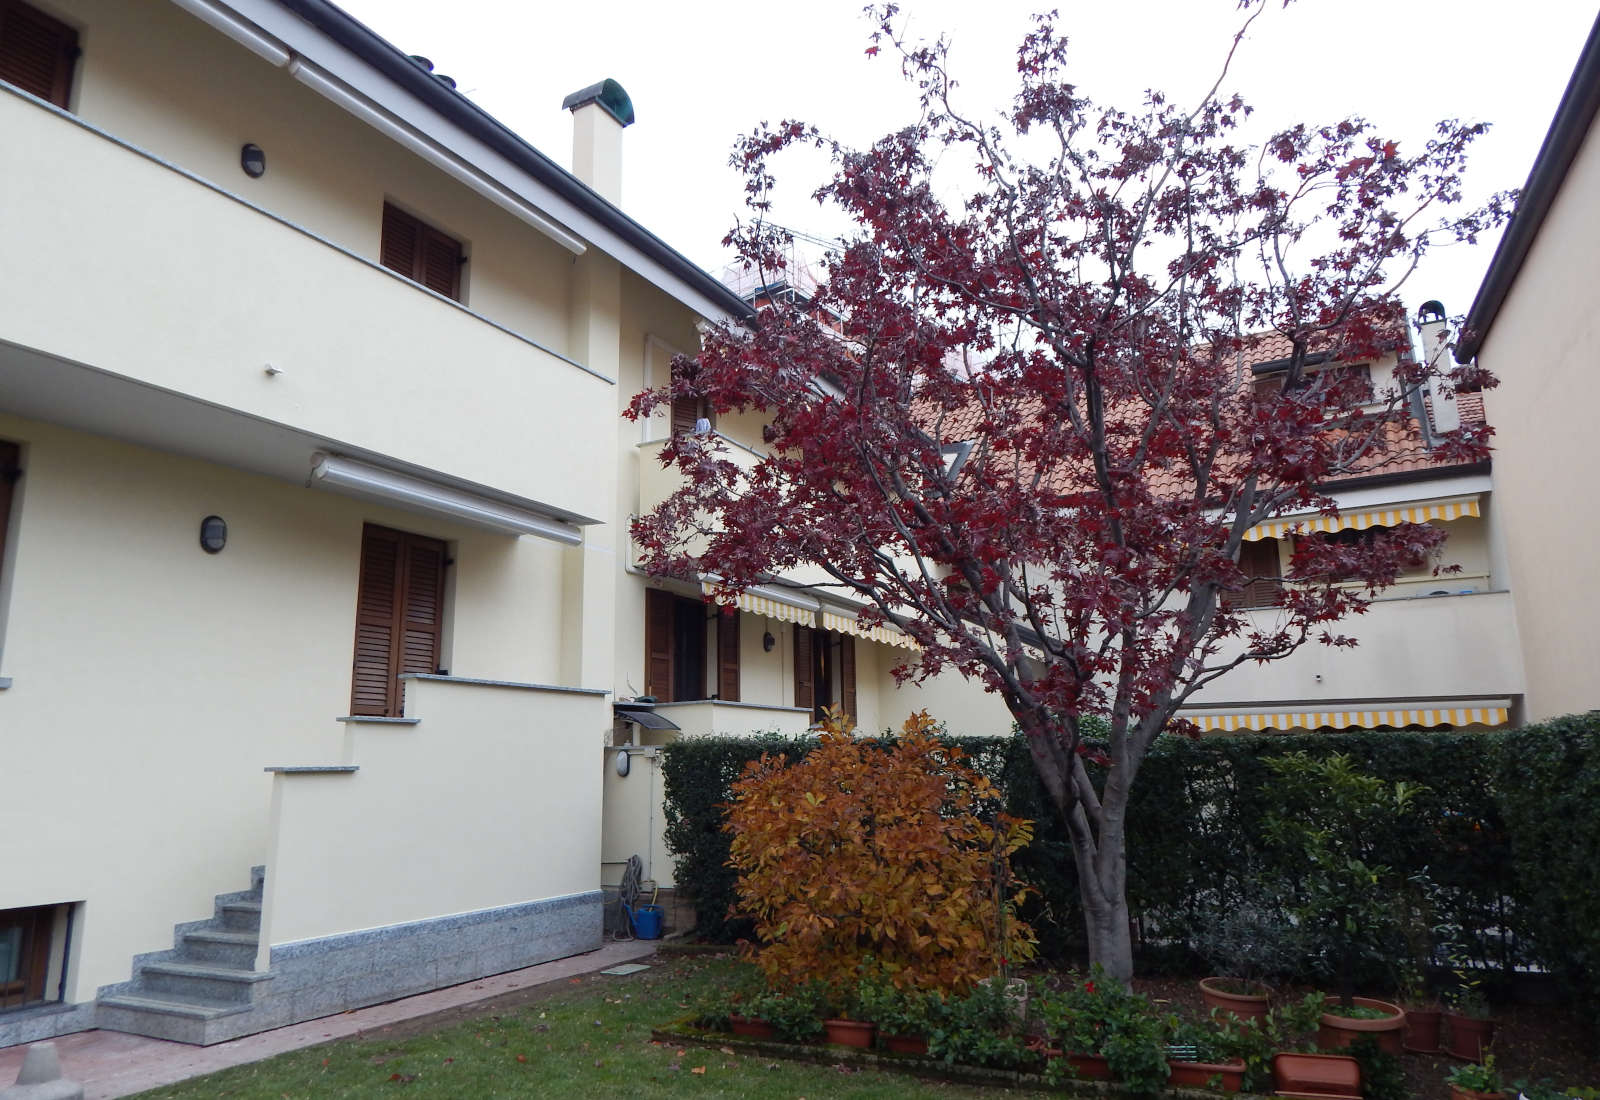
(1019, 424)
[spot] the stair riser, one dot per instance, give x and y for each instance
(235, 919)
(155, 983)
(156, 1025)
(240, 955)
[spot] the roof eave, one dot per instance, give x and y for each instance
(387, 59)
(1568, 130)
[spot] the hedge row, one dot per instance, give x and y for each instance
(1507, 830)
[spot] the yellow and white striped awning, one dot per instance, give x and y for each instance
(758, 604)
(1362, 518)
(1495, 713)
(884, 635)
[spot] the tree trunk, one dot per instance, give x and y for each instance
(1102, 889)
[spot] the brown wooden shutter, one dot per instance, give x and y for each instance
(805, 686)
(9, 472)
(1263, 585)
(728, 655)
(420, 252)
(399, 617)
(658, 619)
(440, 263)
(847, 676)
(402, 238)
(37, 53)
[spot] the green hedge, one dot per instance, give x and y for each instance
(1505, 831)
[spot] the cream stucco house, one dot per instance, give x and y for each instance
(309, 383)
(1536, 325)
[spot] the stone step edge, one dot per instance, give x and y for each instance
(194, 1010)
(207, 970)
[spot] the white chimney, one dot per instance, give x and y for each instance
(1436, 356)
(599, 113)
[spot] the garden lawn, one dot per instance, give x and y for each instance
(585, 1037)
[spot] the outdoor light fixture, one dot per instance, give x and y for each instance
(253, 160)
(622, 763)
(391, 487)
(213, 534)
(767, 642)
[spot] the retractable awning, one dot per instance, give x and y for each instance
(1360, 519)
(765, 602)
(1476, 712)
(884, 635)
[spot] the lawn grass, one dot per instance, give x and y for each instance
(586, 1037)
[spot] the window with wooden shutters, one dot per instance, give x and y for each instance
(1263, 579)
(24, 954)
(420, 252)
(675, 647)
(728, 655)
(37, 53)
(399, 617)
(687, 411)
(805, 669)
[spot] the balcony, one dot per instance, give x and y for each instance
(1460, 645)
(152, 302)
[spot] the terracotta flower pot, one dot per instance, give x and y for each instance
(906, 1044)
(1090, 1067)
(1334, 1076)
(850, 1033)
(1336, 1032)
(1469, 1036)
(1459, 1093)
(751, 1027)
(1201, 1074)
(1244, 1006)
(1422, 1030)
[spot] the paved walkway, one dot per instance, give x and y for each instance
(109, 1063)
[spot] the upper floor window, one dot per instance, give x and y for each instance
(687, 412)
(678, 662)
(1263, 576)
(1353, 379)
(37, 52)
(421, 253)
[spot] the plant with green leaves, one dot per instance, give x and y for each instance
(979, 1029)
(896, 1011)
(1102, 1016)
(1323, 816)
(1477, 1076)
(1251, 944)
(1383, 1077)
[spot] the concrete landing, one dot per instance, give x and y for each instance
(110, 1064)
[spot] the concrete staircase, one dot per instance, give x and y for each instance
(203, 990)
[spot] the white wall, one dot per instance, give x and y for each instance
(152, 682)
(491, 799)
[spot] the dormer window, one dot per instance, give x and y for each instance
(1269, 378)
(37, 53)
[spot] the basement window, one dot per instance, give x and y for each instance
(27, 963)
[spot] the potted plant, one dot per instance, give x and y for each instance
(1469, 1025)
(902, 1015)
(1246, 944)
(794, 1014)
(1195, 1057)
(1334, 1076)
(1325, 816)
(1106, 1031)
(1476, 1081)
(1424, 1013)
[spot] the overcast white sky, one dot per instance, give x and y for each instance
(700, 73)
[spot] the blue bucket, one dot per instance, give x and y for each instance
(647, 922)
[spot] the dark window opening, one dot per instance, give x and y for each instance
(687, 411)
(421, 253)
(688, 649)
(1352, 537)
(37, 53)
(1354, 379)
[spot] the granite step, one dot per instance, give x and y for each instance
(220, 948)
(177, 1019)
(200, 982)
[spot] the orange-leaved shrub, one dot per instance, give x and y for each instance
(891, 857)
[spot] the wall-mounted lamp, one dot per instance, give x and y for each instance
(767, 642)
(253, 160)
(622, 764)
(213, 534)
